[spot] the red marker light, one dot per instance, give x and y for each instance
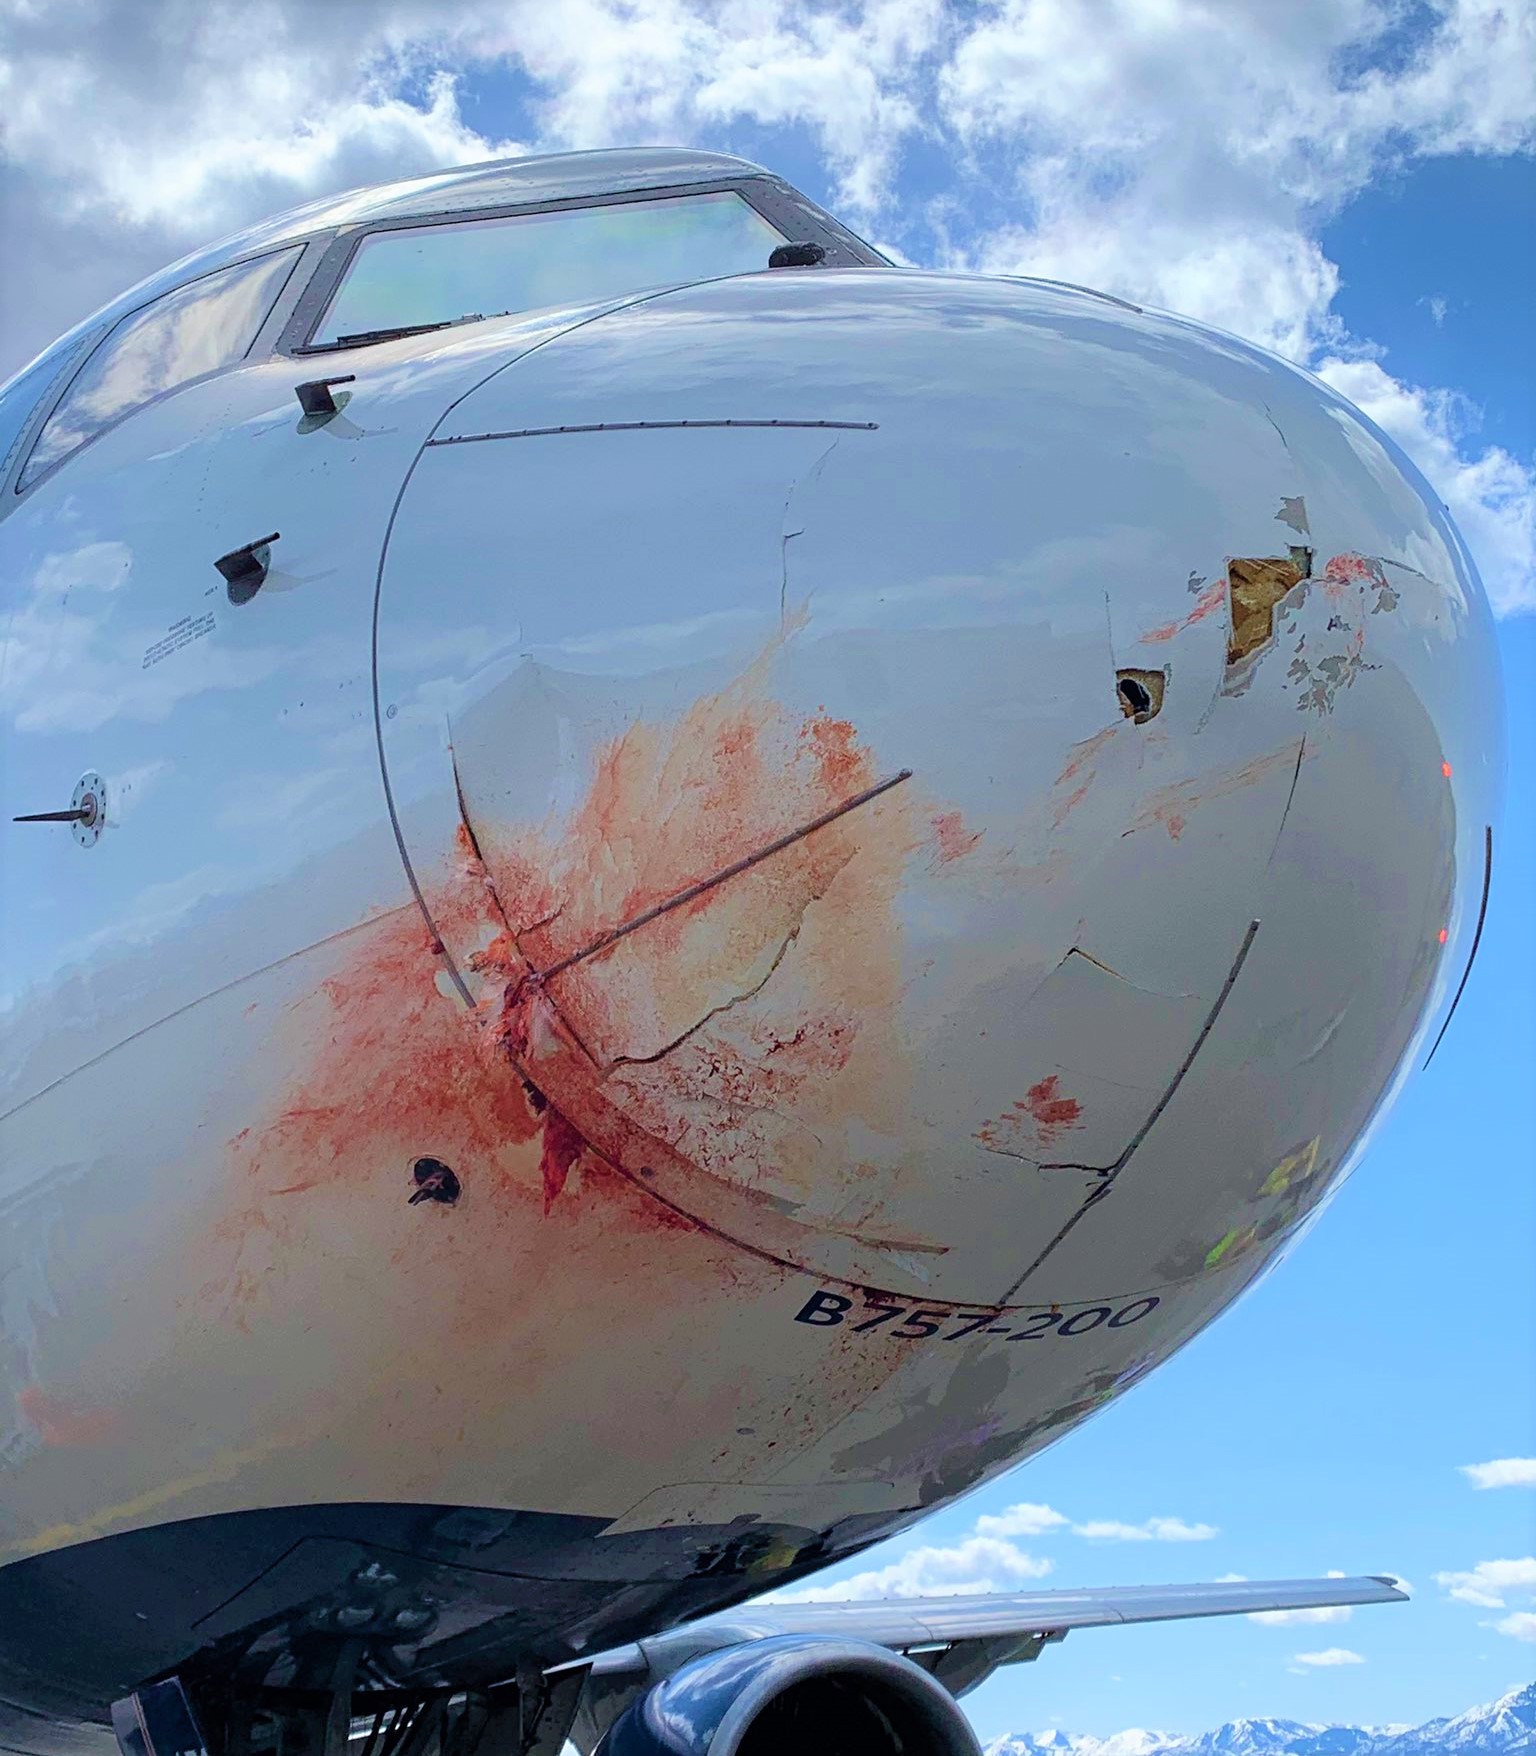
(1444, 935)
(1445, 769)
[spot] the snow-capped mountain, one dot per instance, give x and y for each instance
(1503, 1726)
(1506, 1727)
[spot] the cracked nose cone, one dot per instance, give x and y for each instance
(961, 786)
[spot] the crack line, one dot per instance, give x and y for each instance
(1017, 1157)
(813, 474)
(1290, 798)
(714, 1011)
(1110, 1172)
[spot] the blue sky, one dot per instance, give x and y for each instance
(1349, 181)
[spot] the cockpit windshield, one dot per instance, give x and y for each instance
(419, 277)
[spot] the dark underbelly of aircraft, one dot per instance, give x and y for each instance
(470, 1593)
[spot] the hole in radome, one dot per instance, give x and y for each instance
(1141, 694)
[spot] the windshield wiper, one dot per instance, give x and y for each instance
(365, 337)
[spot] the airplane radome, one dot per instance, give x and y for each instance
(674, 893)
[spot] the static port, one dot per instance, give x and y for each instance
(434, 1182)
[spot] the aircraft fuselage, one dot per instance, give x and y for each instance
(781, 886)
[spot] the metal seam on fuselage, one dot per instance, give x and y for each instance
(644, 427)
(1477, 939)
(212, 994)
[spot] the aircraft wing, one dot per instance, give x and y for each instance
(961, 1640)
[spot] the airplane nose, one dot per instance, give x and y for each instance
(961, 786)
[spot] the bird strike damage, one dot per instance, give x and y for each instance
(689, 980)
(60, 1423)
(1039, 1119)
(470, 1311)
(735, 1021)
(1210, 596)
(1170, 807)
(1141, 694)
(1257, 586)
(1293, 511)
(951, 837)
(1257, 589)
(1326, 660)
(685, 1042)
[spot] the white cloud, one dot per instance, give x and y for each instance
(977, 1564)
(1151, 1530)
(1295, 1618)
(1491, 1585)
(277, 141)
(1177, 154)
(1024, 1519)
(1488, 1582)
(1330, 1655)
(1491, 496)
(1502, 1472)
(986, 1559)
(1197, 181)
(615, 73)
(1223, 157)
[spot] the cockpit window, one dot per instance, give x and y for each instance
(421, 276)
(23, 395)
(195, 330)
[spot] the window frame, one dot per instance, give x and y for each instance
(769, 200)
(12, 488)
(72, 359)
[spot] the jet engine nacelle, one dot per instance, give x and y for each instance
(807, 1693)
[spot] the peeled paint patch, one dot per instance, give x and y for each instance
(1293, 511)
(1329, 655)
